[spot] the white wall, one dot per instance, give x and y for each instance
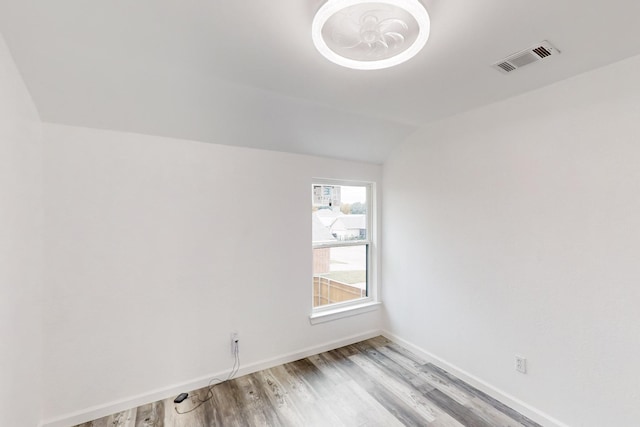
(20, 249)
(515, 228)
(156, 249)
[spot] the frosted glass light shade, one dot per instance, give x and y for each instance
(369, 35)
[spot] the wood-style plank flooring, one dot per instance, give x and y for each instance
(372, 383)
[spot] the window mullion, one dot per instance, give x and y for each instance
(341, 244)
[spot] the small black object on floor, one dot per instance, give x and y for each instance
(181, 397)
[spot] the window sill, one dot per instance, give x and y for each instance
(342, 312)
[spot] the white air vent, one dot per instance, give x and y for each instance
(526, 57)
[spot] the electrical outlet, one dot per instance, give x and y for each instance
(521, 364)
(235, 341)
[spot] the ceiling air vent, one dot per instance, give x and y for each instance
(526, 57)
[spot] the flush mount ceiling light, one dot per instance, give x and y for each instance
(369, 35)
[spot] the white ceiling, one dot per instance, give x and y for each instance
(245, 72)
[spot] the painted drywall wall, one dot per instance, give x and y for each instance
(20, 249)
(157, 249)
(515, 229)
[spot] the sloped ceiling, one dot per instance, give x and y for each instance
(245, 72)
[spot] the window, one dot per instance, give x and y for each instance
(342, 244)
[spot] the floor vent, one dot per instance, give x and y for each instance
(526, 57)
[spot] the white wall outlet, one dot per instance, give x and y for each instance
(235, 343)
(521, 364)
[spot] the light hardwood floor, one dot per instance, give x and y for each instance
(372, 383)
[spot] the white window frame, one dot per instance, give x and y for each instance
(370, 302)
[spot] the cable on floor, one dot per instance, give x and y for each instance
(212, 383)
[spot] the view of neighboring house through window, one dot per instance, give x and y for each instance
(341, 240)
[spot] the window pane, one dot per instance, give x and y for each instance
(339, 274)
(339, 213)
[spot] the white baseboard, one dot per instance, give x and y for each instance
(514, 403)
(100, 411)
